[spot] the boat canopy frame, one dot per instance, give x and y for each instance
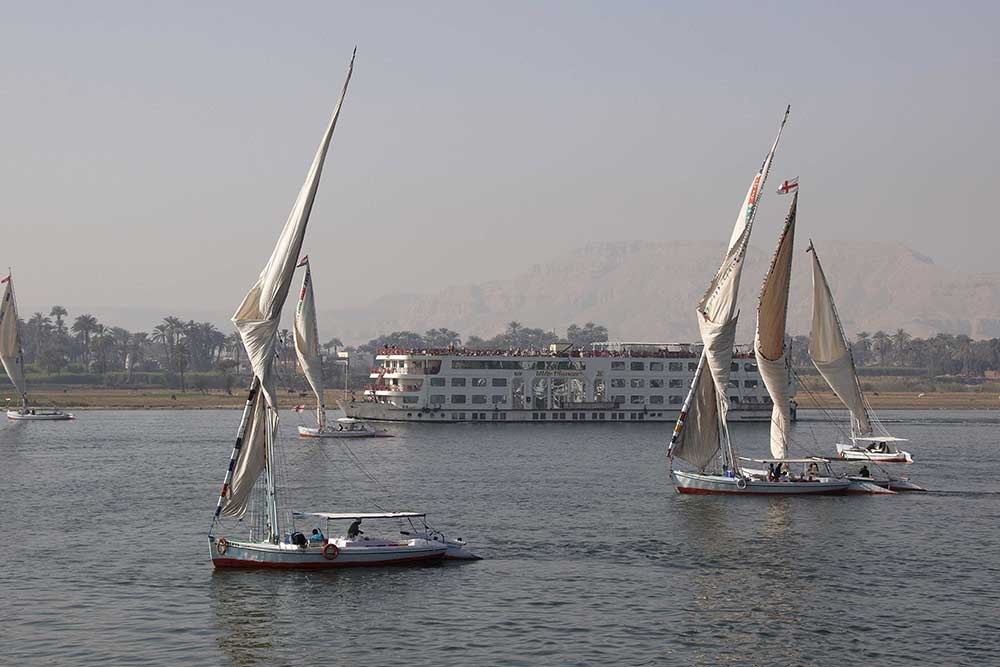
(346, 516)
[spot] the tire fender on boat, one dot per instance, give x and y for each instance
(331, 551)
(741, 483)
(222, 546)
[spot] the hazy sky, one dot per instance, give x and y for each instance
(151, 153)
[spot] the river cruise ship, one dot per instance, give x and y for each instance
(612, 382)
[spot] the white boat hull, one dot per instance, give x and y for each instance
(852, 453)
(39, 415)
(891, 483)
(697, 483)
(369, 432)
(334, 553)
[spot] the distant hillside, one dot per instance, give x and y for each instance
(647, 291)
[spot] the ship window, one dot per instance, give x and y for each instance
(617, 382)
(499, 382)
(655, 383)
(750, 399)
(750, 366)
(479, 398)
(676, 366)
(735, 400)
(734, 384)
(499, 399)
(438, 399)
(637, 400)
(618, 399)
(410, 399)
(458, 398)
(637, 383)
(735, 366)
(458, 382)
(656, 399)
(437, 382)
(676, 400)
(541, 416)
(432, 367)
(766, 400)
(692, 366)
(656, 365)
(617, 365)
(478, 382)
(562, 415)
(676, 382)
(750, 384)
(593, 415)
(534, 415)
(637, 366)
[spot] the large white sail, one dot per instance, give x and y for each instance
(307, 343)
(698, 442)
(717, 317)
(769, 342)
(831, 354)
(257, 320)
(10, 341)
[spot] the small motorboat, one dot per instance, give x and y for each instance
(345, 427)
(879, 449)
(39, 414)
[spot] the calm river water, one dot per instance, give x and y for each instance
(591, 557)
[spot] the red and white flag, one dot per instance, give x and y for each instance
(788, 186)
(303, 261)
(5, 280)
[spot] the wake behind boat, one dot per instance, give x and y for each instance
(254, 478)
(12, 357)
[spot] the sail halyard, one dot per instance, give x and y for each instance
(307, 342)
(257, 321)
(831, 353)
(769, 340)
(715, 305)
(11, 354)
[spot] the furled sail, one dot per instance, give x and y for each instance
(257, 321)
(307, 343)
(769, 342)
(831, 354)
(10, 341)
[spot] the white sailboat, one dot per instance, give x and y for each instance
(831, 354)
(306, 335)
(701, 437)
(12, 357)
(250, 492)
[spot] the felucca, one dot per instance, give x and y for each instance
(250, 493)
(12, 357)
(831, 354)
(306, 335)
(701, 436)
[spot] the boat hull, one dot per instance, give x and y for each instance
(851, 453)
(238, 554)
(697, 483)
(892, 484)
(55, 415)
(307, 432)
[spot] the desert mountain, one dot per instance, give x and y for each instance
(646, 291)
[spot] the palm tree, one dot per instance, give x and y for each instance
(182, 357)
(881, 345)
(900, 340)
(83, 327)
(161, 334)
(38, 328)
(59, 313)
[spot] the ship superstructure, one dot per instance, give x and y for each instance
(611, 382)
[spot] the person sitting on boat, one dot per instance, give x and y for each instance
(864, 472)
(317, 536)
(812, 470)
(355, 529)
(877, 447)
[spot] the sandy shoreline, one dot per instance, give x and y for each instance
(154, 399)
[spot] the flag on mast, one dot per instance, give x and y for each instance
(303, 261)
(788, 186)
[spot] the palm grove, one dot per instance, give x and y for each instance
(187, 354)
